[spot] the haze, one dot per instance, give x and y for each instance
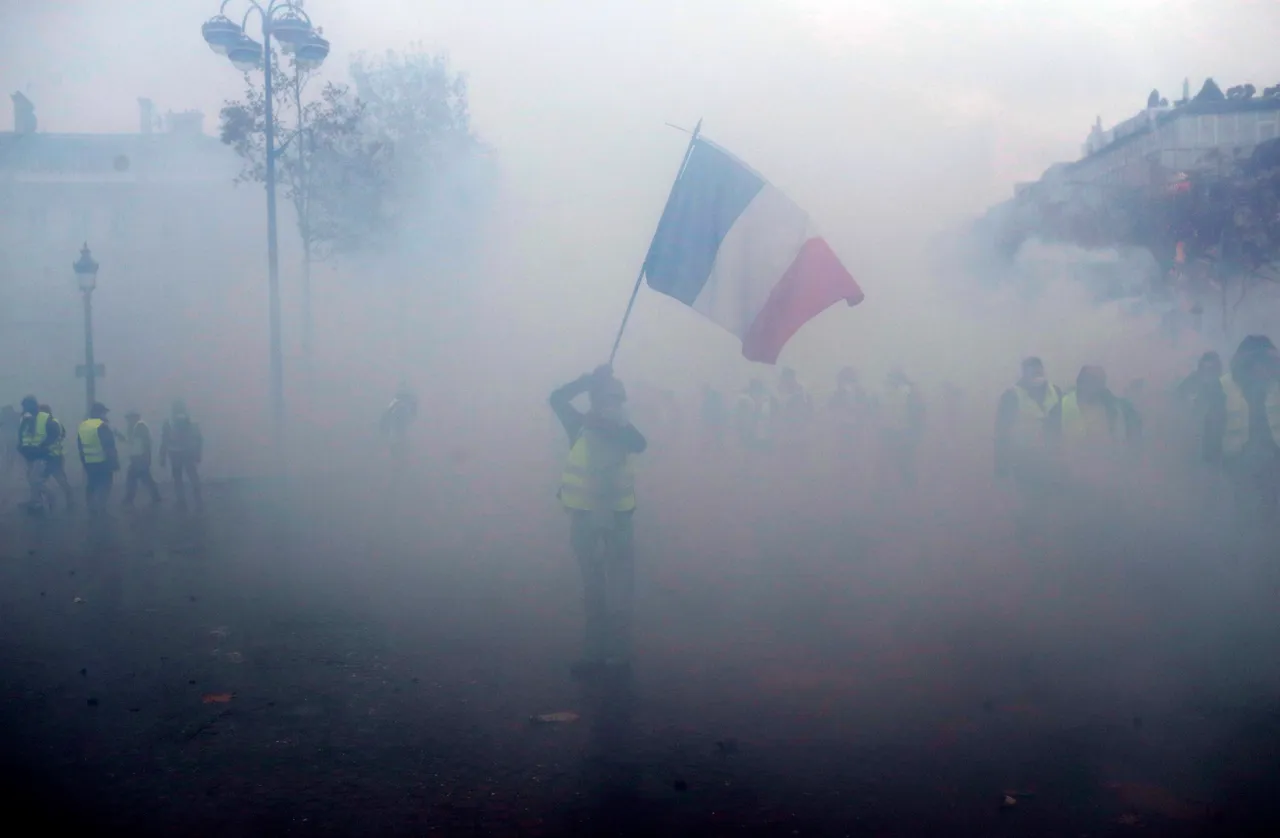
(814, 618)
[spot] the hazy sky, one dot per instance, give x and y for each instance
(1021, 77)
(886, 120)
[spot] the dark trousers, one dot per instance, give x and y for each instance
(140, 472)
(54, 468)
(182, 469)
(607, 561)
(98, 480)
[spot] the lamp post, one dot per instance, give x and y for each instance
(285, 21)
(87, 278)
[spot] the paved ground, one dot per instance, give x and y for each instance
(349, 668)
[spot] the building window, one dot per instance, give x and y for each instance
(1267, 123)
(1207, 135)
(1227, 129)
(1246, 128)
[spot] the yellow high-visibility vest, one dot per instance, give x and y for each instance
(581, 486)
(1077, 425)
(55, 448)
(1236, 433)
(1028, 427)
(90, 442)
(34, 435)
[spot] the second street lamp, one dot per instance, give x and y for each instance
(87, 278)
(291, 27)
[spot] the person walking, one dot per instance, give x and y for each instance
(97, 443)
(182, 444)
(1242, 429)
(901, 416)
(55, 464)
(597, 489)
(1021, 444)
(34, 442)
(138, 436)
(394, 425)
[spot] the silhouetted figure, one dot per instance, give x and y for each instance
(182, 444)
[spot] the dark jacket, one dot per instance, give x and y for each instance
(1215, 421)
(180, 439)
(574, 420)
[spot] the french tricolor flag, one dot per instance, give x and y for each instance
(735, 249)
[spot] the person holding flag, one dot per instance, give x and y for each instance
(597, 489)
(735, 249)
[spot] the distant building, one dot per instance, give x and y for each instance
(1163, 140)
(157, 207)
(59, 190)
(1155, 150)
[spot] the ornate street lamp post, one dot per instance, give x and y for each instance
(285, 21)
(87, 278)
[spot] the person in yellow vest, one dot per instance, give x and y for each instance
(138, 436)
(55, 465)
(597, 489)
(900, 416)
(1242, 428)
(1020, 424)
(1021, 442)
(97, 443)
(34, 443)
(1091, 417)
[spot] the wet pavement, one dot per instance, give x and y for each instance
(338, 671)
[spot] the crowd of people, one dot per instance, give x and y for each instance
(38, 441)
(1046, 439)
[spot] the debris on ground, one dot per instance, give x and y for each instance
(1009, 802)
(233, 657)
(1128, 819)
(1156, 800)
(553, 718)
(725, 747)
(217, 698)
(78, 601)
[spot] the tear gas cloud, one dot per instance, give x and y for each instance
(892, 124)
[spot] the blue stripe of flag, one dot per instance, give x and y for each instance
(710, 194)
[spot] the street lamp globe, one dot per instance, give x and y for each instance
(312, 52)
(221, 34)
(86, 270)
(246, 54)
(291, 27)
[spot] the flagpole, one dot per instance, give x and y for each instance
(640, 277)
